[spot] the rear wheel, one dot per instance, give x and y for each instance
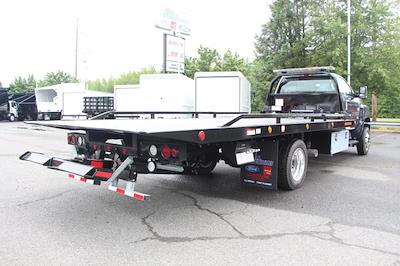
(293, 162)
(205, 168)
(364, 142)
(204, 165)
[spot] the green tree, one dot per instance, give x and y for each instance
(54, 78)
(21, 84)
(311, 33)
(207, 60)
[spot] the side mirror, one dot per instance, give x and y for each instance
(362, 92)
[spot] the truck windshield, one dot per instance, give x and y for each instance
(307, 85)
(45, 95)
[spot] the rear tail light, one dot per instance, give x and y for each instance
(153, 150)
(72, 139)
(174, 152)
(80, 141)
(108, 148)
(166, 152)
(124, 151)
(151, 166)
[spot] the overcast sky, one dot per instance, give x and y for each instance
(115, 36)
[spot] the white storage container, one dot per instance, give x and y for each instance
(128, 98)
(222, 92)
(156, 93)
(169, 92)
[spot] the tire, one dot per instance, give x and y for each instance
(293, 162)
(205, 168)
(364, 142)
(12, 118)
(201, 168)
(203, 165)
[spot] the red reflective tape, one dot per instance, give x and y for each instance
(103, 174)
(97, 164)
(120, 191)
(83, 179)
(70, 175)
(138, 196)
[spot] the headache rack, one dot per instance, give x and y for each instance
(154, 113)
(305, 70)
(279, 116)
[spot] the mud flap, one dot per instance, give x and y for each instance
(263, 172)
(59, 164)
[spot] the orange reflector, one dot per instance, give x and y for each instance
(269, 130)
(348, 123)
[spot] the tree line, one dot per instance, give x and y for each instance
(28, 84)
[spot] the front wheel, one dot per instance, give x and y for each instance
(293, 162)
(12, 118)
(364, 142)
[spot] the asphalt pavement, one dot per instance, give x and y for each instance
(346, 213)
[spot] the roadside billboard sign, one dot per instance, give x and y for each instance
(174, 22)
(174, 54)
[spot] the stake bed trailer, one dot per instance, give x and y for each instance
(271, 149)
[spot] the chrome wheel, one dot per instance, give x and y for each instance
(367, 140)
(298, 163)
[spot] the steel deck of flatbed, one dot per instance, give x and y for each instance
(150, 126)
(218, 129)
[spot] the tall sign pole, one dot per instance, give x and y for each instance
(348, 41)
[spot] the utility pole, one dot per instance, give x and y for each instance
(348, 41)
(76, 47)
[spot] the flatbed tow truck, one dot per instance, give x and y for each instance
(309, 111)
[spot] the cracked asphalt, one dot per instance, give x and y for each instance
(347, 213)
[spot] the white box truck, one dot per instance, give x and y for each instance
(49, 100)
(222, 92)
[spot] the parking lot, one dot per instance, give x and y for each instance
(346, 213)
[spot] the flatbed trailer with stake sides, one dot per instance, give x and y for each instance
(271, 149)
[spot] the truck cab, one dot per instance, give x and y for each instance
(316, 90)
(8, 108)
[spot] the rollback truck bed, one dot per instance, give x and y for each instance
(270, 148)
